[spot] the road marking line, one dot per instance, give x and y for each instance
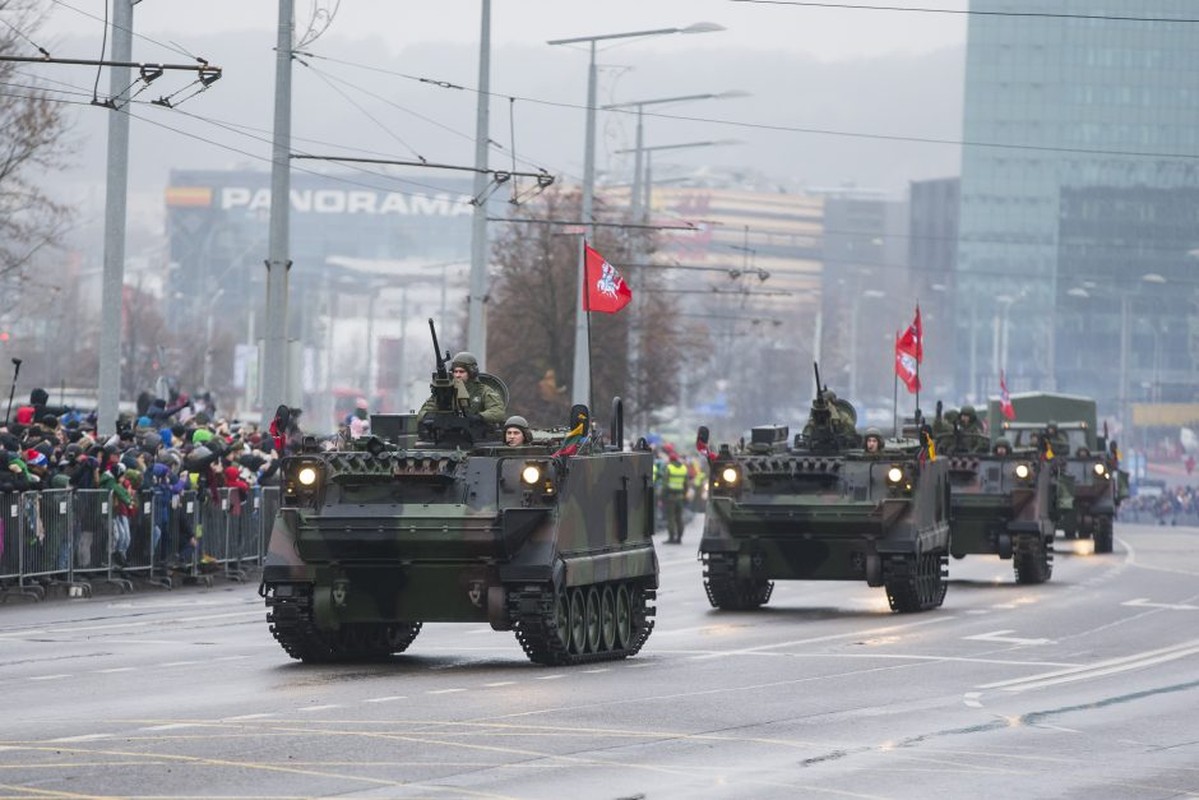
(1108, 667)
(115, 669)
(445, 691)
(550, 677)
(1143, 602)
(48, 677)
(87, 737)
(240, 717)
(829, 638)
(594, 671)
(171, 727)
(498, 684)
(998, 636)
(385, 699)
(319, 708)
(178, 663)
(971, 699)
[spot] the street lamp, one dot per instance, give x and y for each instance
(636, 209)
(649, 151)
(581, 383)
(1088, 289)
(873, 294)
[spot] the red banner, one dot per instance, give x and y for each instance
(606, 291)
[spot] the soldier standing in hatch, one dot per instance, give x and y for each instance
(484, 401)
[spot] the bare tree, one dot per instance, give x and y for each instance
(531, 321)
(32, 125)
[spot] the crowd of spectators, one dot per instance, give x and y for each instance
(1176, 505)
(173, 444)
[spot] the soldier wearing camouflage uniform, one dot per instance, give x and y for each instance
(483, 400)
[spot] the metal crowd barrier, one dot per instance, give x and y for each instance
(69, 540)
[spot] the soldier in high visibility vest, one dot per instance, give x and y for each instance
(675, 497)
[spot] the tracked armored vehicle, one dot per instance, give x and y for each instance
(818, 507)
(438, 521)
(1091, 485)
(1001, 504)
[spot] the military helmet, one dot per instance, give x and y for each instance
(967, 409)
(1051, 426)
(1002, 442)
(873, 432)
(468, 362)
(521, 424)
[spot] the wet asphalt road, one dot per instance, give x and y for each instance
(1084, 687)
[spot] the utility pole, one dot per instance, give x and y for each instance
(476, 310)
(275, 357)
(116, 190)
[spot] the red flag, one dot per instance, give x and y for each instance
(606, 290)
(912, 341)
(1005, 400)
(905, 365)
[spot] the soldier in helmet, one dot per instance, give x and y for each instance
(516, 431)
(973, 437)
(872, 441)
(1002, 447)
(483, 400)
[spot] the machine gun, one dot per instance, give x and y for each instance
(820, 434)
(448, 423)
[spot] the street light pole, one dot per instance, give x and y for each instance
(581, 379)
(476, 311)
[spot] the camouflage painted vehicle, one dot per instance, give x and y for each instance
(811, 509)
(1004, 505)
(1090, 483)
(439, 522)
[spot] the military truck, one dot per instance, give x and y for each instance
(818, 507)
(436, 520)
(1090, 483)
(1000, 504)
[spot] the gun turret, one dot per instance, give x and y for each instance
(820, 434)
(447, 422)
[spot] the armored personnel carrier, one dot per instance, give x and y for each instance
(1002, 504)
(1090, 483)
(438, 521)
(818, 507)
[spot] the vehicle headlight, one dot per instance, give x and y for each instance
(894, 475)
(306, 476)
(1023, 471)
(531, 474)
(1100, 469)
(730, 475)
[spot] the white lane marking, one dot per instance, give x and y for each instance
(240, 717)
(998, 636)
(445, 691)
(174, 726)
(830, 638)
(1099, 669)
(87, 737)
(385, 699)
(971, 699)
(319, 708)
(1143, 602)
(115, 669)
(550, 677)
(497, 684)
(48, 677)
(594, 671)
(179, 663)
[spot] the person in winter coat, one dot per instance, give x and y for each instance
(124, 507)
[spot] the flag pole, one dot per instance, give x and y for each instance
(919, 355)
(586, 315)
(895, 394)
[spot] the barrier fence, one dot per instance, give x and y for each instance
(75, 540)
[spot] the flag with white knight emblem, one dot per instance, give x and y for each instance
(606, 290)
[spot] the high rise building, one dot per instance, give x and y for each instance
(1079, 224)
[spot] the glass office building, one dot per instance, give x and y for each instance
(1079, 225)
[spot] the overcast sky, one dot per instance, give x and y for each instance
(826, 33)
(831, 97)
